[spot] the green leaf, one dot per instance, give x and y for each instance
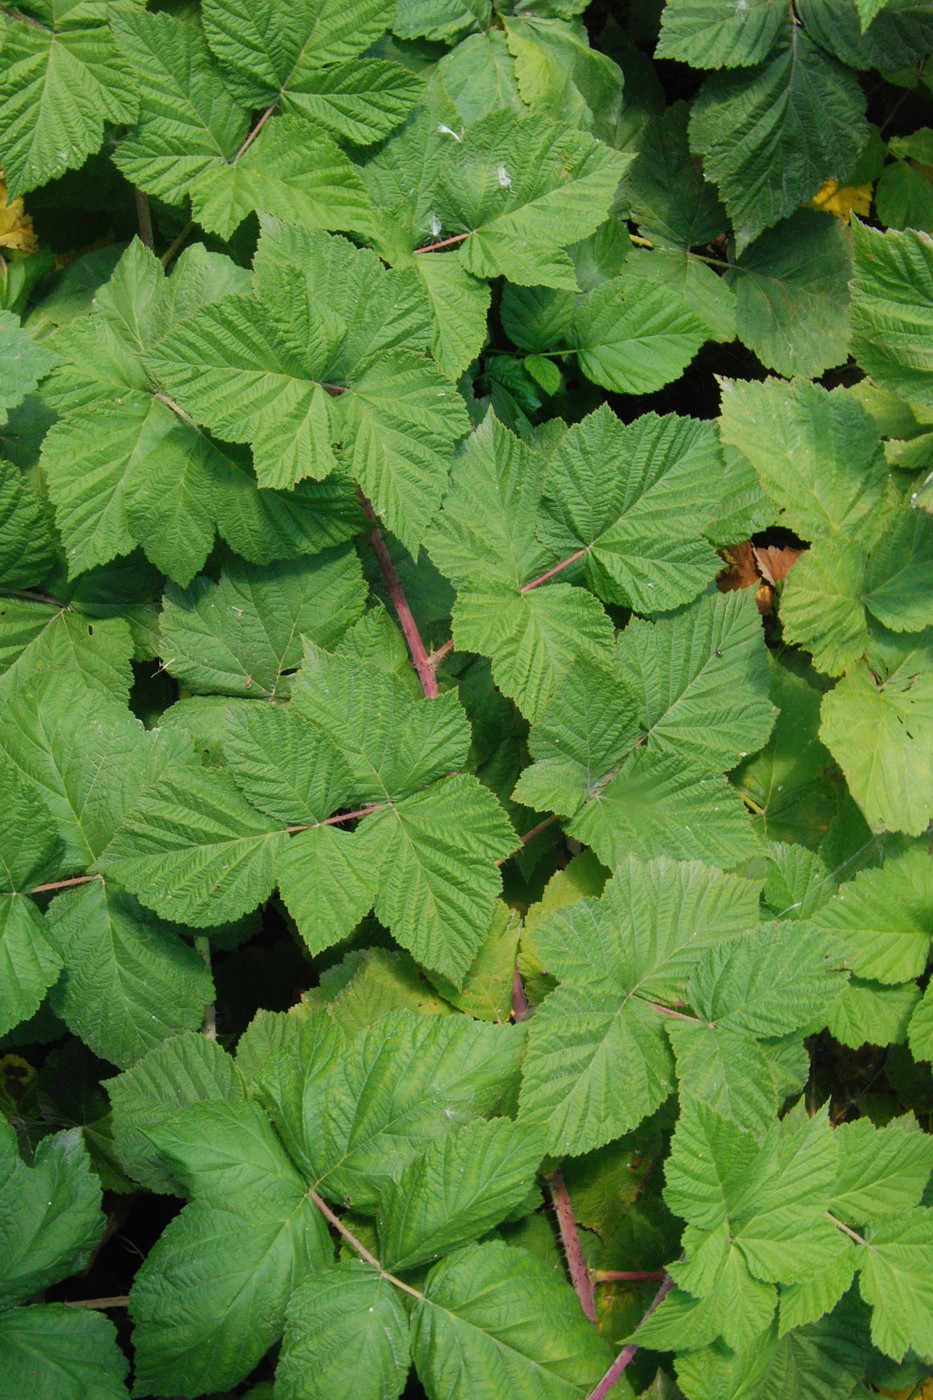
(346, 1312)
(128, 981)
(523, 192)
(25, 362)
(50, 1216)
(40, 639)
(726, 1071)
(360, 1111)
(186, 1069)
(898, 37)
(86, 758)
(188, 122)
(881, 735)
(63, 80)
(308, 60)
(669, 199)
(196, 851)
(362, 382)
(713, 34)
(392, 743)
(703, 292)
(617, 957)
(892, 311)
(869, 1013)
(488, 983)
(816, 452)
(800, 113)
(822, 606)
(895, 1280)
(29, 960)
(767, 984)
(920, 1031)
(242, 635)
(497, 1321)
(634, 335)
(558, 72)
(449, 20)
(700, 680)
(53, 1352)
(634, 525)
(882, 919)
(533, 637)
(792, 294)
(437, 876)
(249, 1237)
(460, 306)
(460, 1187)
(26, 541)
(882, 1171)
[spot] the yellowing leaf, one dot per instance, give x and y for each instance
(15, 225)
(843, 200)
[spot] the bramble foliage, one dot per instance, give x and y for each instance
(466, 697)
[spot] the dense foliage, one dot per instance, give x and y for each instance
(466, 711)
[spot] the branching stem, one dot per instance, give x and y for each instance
(845, 1230)
(176, 243)
(62, 884)
(626, 1275)
(339, 818)
(558, 568)
(119, 1302)
(444, 243)
(624, 1359)
(573, 1250)
(360, 1248)
(251, 136)
(144, 217)
(419, 655)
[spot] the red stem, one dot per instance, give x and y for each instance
(444, 243)
(63, 884)
(625, 1275)
(409, 626)
(144, 218)
(624, 1358)
(521, 1007)
(564, 564)
(573, 1251)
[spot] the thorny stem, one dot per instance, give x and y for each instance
(436, 657)
(537, 830)
(144, 216)
(564, 564)
(419, 655)
(62, 884)
(573, 1250)
(209, 1024)
(25, 19)
(444, 243)
(360, 1248)
(32, 596)
(120, 1302)
(624, 1358)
